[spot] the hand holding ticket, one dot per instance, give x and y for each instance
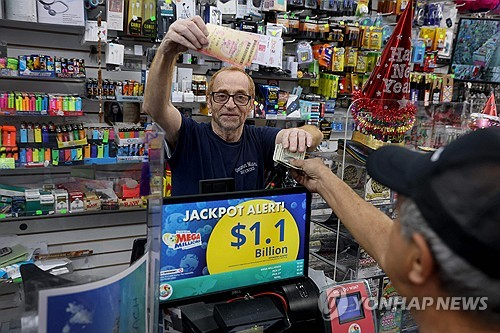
(233, 46)
(238, 48)
(282, 156)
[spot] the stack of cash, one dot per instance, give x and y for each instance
(282, 156)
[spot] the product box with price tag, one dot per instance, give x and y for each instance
(67, 12)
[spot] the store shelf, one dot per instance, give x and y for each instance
(44, 79)
(66, 169)
(34, 26)
(134, 99)
(73, 221)
(187, 104)
(274, 77)
(333, 227)
(343, 264)
(40, 114)
(134, 56)
(136, 39)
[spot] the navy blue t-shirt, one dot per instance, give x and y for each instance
(201, 154)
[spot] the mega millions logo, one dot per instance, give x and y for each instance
(182, 240)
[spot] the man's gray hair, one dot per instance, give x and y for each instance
(457, 276)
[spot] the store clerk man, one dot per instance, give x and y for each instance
(446, 240)
(226, 147)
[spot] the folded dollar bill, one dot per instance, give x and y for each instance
(282, 156)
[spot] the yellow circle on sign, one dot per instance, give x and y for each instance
(265, 233)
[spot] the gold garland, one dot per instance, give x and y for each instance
(370, 141)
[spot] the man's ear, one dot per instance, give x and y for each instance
(250, 106)
(422, 261)
(209, 102)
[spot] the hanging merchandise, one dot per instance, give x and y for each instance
(93, 32)
(338, 59)
(304, 53)
(274, 30)
(269, 52)
(149, 18)
(362, 7)
(93, 4)
(435, 14)
(255, 7)
(275, 5)
(185, 8)
(323, 28)
(418, 52)
(312, 4)
(436, 91)
(383, 110)
(61, 12)
(445, 52)
(165, 17)
(282, 19)
(134, 21)
(386, 34)
(248, 26)
(352, 35)
(20, 10)
(450, 14)
(227, 6)
(294, 25)
(325, 54)
(309, 28)
(447, 88)
(375, 38)
(296, 3)
(348, 7)
(351, 57)
(115, 54)
(401, 6)
(242, 8)
(115, 14)
(326, 5)
(212, 14)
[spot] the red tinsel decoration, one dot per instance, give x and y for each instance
(384, 119)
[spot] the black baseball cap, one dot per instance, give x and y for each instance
(457, 190)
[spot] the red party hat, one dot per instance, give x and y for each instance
(490, 108)
(488, 117)
(382, 109)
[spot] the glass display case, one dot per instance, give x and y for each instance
(333, 249)
(76, 241)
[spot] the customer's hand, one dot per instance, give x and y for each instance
(295, 139)
(184, 34)
(314, 173)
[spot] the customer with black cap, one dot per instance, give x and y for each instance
(446, 240)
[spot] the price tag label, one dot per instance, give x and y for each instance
(260, 232)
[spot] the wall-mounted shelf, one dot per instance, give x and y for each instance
(35, 26)
(41, 113)
(124, 98)
(66, 169)
(72, 221)
(46, 79)
(273, 77)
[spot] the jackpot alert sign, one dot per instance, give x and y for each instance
(211, 246)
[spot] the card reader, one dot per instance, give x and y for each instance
(241, 315)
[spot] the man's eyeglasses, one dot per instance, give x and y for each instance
(239, 99)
